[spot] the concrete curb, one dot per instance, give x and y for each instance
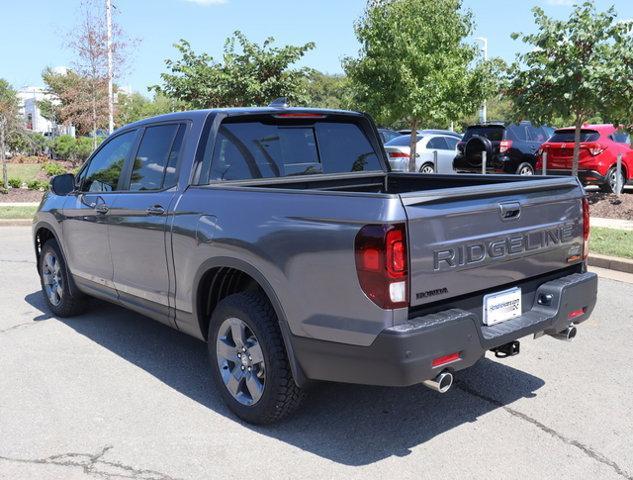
(15, 222)
(612, 263)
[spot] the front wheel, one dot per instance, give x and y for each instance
(525, 169)
(611, 184)
(249, 361)
(62, 297)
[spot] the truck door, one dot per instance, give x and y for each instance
(138, 221)
(86, 212)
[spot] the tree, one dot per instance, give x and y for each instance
(325, 90)
(81, 93)
(248, 75)
(413, 64)
(578, 68)
(9, 122)
(136, 106)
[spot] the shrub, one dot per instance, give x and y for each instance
(15, 182)
(52, 169)
(37, 184)
(3, 190)
(64, 147)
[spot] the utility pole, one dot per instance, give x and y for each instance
(108, 5)
(484, 108)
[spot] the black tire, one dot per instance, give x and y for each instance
(281, 396)
(609, 185)
(428, 166)
(525, 169)
(71, 301)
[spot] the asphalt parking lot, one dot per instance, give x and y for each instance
(114, 395)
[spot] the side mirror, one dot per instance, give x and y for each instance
(63, 184)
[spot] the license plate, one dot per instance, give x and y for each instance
(502, 306)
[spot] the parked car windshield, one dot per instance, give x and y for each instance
(567, 136)
(402, 141)
(493, 133)
(253, 149)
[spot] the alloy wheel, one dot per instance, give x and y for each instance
(241, 361)
(613, 180)
(52, 278)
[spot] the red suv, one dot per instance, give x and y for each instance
(599, 148)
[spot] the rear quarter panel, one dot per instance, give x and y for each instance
(302, 244)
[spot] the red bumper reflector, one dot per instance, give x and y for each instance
(445, 359)
(576, 313)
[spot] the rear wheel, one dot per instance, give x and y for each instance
(62, 298)
(525, 169)
(249, 361)
(611, 184)
(428, 167)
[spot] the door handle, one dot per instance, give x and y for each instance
(102, 208)
(156, 210)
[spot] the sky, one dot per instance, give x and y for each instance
(33, 32)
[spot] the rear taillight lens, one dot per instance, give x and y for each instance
(505, 145)
(595, 149)
(460, 146)
(398, 155)
(381, 264)
(585, 227)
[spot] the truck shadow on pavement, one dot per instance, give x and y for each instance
(348, 424)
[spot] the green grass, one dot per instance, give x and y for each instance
(24, 171)
(17, 212)
(609, 241)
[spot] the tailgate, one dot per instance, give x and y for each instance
(467, 239)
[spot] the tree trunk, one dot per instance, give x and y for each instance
(574, 162)
(412, 145)
(3, 156)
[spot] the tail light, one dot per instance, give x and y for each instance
(381, 264)
(595, 149)
(399, 155)
(460, 146)
(585, 227)
(505, 145)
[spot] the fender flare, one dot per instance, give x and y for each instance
(255, 274)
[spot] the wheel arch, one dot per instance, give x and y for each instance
(219, 277)
(43, 231)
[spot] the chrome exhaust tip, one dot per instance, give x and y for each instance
(442, 383)
(567, 335)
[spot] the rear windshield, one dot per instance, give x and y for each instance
(567, 136)
(525, 132)
(493, 133)
(402, 141)
(258, 149)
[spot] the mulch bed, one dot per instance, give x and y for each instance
(21, 195)
(608, 205)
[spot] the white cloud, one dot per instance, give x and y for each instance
(206, 3)
(561, 3)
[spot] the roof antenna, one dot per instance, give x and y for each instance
(281, 102)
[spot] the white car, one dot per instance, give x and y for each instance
(399, 151)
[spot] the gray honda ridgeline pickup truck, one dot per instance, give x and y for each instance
(281, 238)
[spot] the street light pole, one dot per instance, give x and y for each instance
(108, 5)
(484, 108)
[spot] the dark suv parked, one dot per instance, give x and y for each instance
(509, 148)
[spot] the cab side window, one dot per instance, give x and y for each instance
(104, 170)
(155, 162)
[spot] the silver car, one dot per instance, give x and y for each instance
(445, 144)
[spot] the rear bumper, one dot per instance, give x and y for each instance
(496, 164)
(587, 177)
(403, 355)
